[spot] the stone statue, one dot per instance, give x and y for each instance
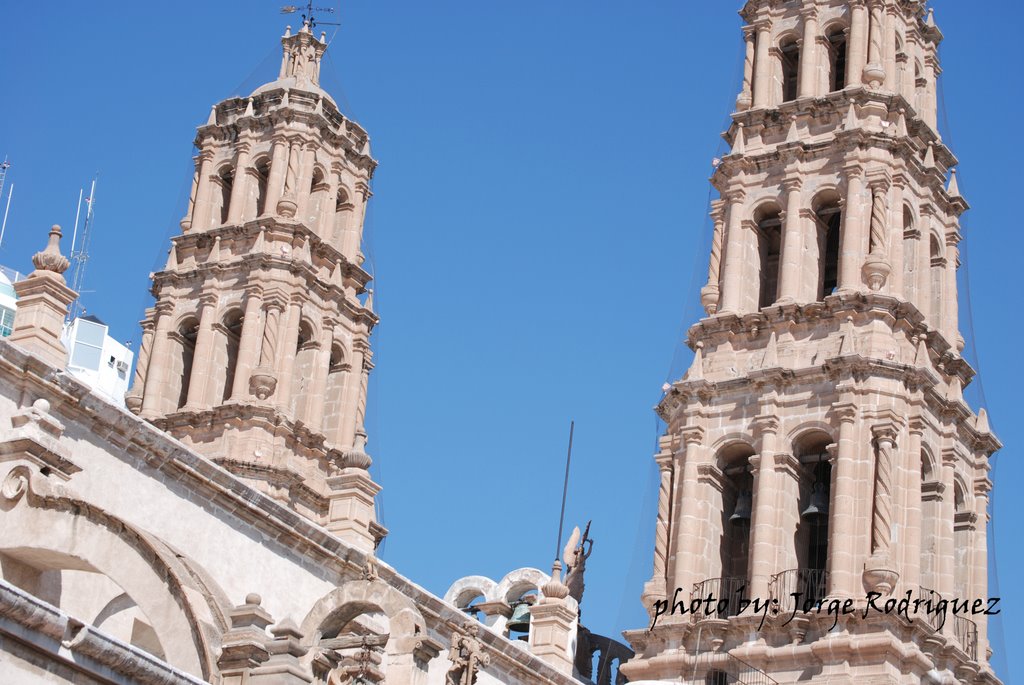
(575, 554)
(466, 655)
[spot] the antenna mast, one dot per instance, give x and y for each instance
(80, 250)
(3, 177)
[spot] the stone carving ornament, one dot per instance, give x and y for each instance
(467, 657)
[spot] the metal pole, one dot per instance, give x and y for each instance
(565, 490)
(78, 213)
(3, 227)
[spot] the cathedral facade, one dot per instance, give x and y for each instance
(820, 464)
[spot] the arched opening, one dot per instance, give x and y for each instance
(937, 276)
(815, 505)
(334, 393)
(963, 524)
(518, 625)
(225, 357)
(836, 59)
(180, 372)
(789, 59)
(261, 170)
(931, 501)
(736, 514)
(318, 194)
(303, 371)
(342, 215)
(225, 182)
(769, 238)
(829, 217)
(909, 251)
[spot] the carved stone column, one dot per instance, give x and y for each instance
(764, 524)
(746, 96)
(792, 242)
(202, 359)
(911, 576)
(879, 574)
(889, 48)
(929, 108)
(851, 251)
(656, 588)
(809, 54)
(924, 265)
(133, 400)
(842, 509)
(325, 222)
(950, 304)
(711, 292)
(874, 72)
(856, 58)
(248, 344)
(288, 204)
(156, 377)
(308, 155)
(240, 188)
(202, 211)
(877, 267)
(686, 556)
(979, 558)
(735, 240)
(762, 65)
(353, 386)
(275, 181)
(897, 285)
(945, 528)
(264, 380)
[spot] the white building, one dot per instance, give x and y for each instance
(8, 300)
(96, 358)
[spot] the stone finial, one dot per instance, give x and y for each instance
(953, 189)
(981, 422)
(771, 353)
(357, 457)
(50, 259)
(554, 589)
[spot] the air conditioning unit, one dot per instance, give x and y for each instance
(122, 367)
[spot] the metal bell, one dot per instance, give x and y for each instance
(520, 621)
(818, 507)
(742, 510)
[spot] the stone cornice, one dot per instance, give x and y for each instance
(145, 447)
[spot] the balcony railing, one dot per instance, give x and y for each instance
(810, 584)
(932, 619)
(611, 654)
(722, 668)
(966, 632)
(725, 595)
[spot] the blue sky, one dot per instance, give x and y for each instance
(538, 220)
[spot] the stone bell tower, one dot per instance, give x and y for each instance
(820, 444)
(256, 352)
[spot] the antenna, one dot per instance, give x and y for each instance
(80, 250)
(308, 16)
(4, 166)
(565, 490)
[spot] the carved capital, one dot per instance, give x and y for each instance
(692, 435)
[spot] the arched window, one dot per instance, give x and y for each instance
(938, 267)
(318, 194)
(181, 360)
(930, 519)
(769, 233)
(262, 172)
(789, 55)
(837, 60)
(736, 514)
(342, 215)
(334, 393)
(225, 181)
(225, 357)
(815, 503)
(303, 371)
(963, 523)
(829, 221)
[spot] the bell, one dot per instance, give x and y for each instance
(741, 512)
(818, 507)
(520, 621)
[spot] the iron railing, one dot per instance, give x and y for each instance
(721, 597)
(932, 618)
(722, 668)
(611, 654)
(966, 632)
(809, 583)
